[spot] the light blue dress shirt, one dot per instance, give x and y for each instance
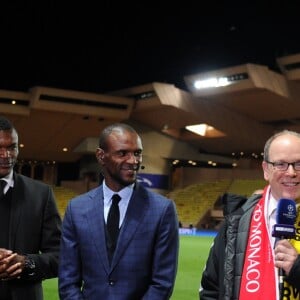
(125, 195)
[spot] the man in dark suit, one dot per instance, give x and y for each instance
(138, 260)
(30, 226)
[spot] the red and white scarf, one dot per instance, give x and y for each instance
(258, 282)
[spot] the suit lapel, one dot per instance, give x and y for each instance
(17, 202)
(134, 217)
(97, 228)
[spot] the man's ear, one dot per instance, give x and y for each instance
(266, 170)
(100, 155)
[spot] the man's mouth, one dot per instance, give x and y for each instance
(131, 168)
(290, 183)
(6, 164)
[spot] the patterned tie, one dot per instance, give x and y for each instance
(113, 220)
(2, 185)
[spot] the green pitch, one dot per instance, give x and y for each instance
(192, 257)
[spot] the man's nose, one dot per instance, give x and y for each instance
(132, 158)
(291, 170)
(4, 152)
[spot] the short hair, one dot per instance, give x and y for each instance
(273, 137)
(5, 124)
(107, 131)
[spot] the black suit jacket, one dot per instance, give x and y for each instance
(35, 229)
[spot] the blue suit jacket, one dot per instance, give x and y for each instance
(145, 261)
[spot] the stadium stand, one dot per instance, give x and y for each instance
(62, 196)
(198, 205)
(246, 187)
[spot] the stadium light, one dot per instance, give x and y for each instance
(211, 82)
(199, 129)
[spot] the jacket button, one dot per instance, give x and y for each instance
(111, 282)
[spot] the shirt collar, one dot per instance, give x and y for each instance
(125, 193)
(9, 179)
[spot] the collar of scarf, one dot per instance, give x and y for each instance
(257, 281)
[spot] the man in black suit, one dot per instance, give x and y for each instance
(30, 226)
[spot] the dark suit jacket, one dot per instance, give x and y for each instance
(145, 261)
(35, 228)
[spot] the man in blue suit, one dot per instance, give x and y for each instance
(138, 260)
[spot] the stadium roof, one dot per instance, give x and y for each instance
(256, 103)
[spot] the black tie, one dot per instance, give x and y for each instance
(2, 185)
(113, 220)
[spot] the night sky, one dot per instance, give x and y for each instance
(109, 45)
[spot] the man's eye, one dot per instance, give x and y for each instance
(279, 164)
(12, 148)
(137, 153)
(121, 153)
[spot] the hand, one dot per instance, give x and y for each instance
(4, 253)
(285, 255)
(5, 257)
(11, 264)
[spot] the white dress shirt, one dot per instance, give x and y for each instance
(9, 180)
(271, 216)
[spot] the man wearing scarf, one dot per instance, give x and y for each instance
(244, 259)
